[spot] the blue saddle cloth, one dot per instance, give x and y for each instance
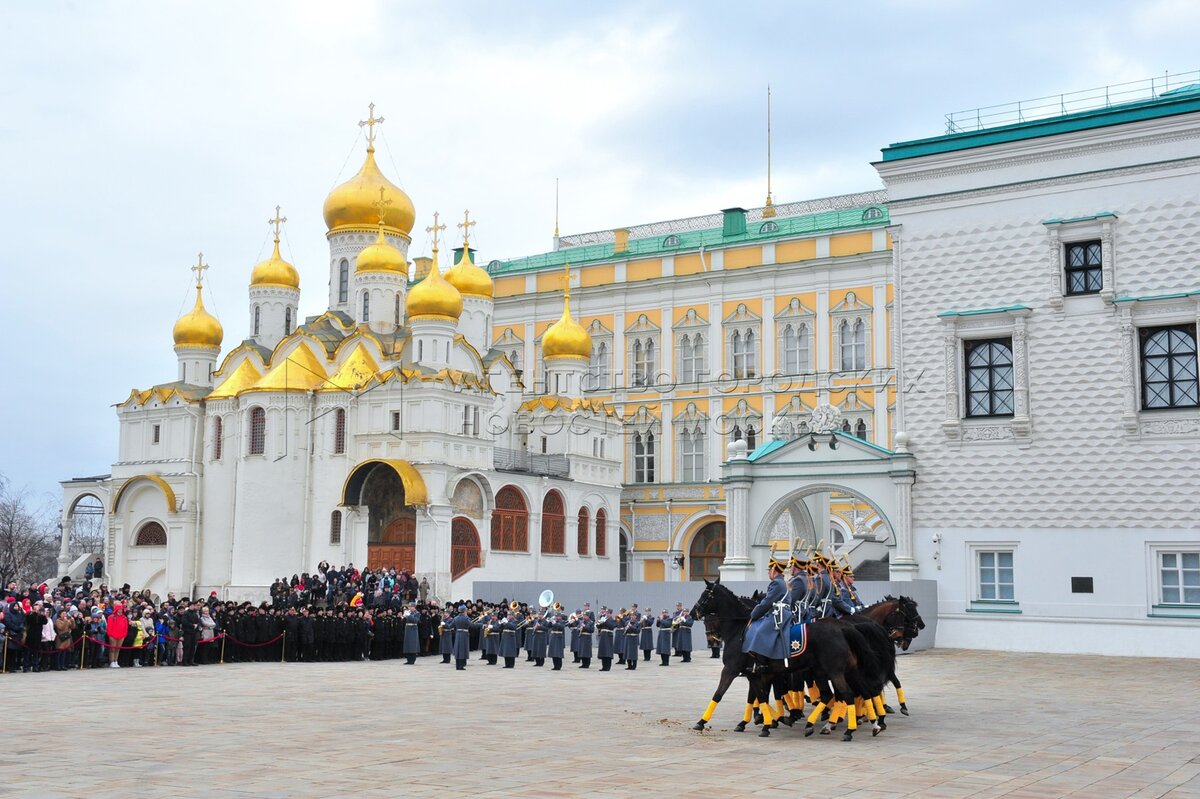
(797, 640)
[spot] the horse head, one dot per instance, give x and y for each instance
(706, 605)
(913, 623)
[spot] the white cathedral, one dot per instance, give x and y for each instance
(386, 431)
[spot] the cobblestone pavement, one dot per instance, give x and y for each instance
(982, 725)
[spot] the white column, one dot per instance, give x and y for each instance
(64, 547)
(737, 564)
(903, 565)
(769, 338)
(716, 344)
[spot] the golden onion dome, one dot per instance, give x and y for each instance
(355, 202)
(566, 338)
(275, 272)
(198, 328)
(381, 257)
(433, 297)
(469, 279)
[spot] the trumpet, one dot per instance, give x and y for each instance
(514, 605)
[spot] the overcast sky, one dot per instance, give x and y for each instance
(133, 135)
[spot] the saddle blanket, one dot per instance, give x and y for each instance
(797, 640)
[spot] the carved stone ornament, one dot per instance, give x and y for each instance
(825, 418)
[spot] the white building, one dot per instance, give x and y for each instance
(1047, 295)
(386, 431)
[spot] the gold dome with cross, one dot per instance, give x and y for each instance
(197, 327)
(566, 338)
(275, 271)
(352, 204)
(469, 279)
(433, 297)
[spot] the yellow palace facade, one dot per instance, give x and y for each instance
(705, 330)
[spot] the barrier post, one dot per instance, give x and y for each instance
(82, 650)
(155, 639)
(223, 637)
(4, 662)
(283, 645)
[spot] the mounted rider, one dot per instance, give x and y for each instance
(766, 634)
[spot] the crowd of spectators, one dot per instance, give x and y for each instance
(334, 613)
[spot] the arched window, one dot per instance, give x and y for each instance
(860, 429)
(769, 227)
(707, 552)
(794, 346)
(643, 458)
(151, 534)
(872, 213)
(598, 367)
(751, 438)
(691, 454)
(554, 522)
(366, 306)
(671, 241)
(218, 438)
(344, 281)
(287, 321)
(335, 527)
(510, 522)
(584, 532)
(514, 357)
(853, 345)
(339, 431)
(691, 358)
(602, 533)
(396, 320)
(744, 350)
(464, 547)
(257, 319)
(258, 431)
(643, 362)
(845, 425)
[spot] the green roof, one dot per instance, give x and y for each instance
(983, 311)
(1183, 100)
(684, 241)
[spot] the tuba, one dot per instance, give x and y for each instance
(514, 606)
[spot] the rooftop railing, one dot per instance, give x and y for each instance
(521, 460)
(1056, 105)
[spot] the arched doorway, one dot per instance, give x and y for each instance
(464, 547)
(554, 522)
(707, 552)
(392, 525)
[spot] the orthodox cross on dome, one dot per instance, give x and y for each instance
(434, 230)
(370, 122)
(277, 222)
(382, 204)
(567, 280)
(466, 225)
(199, 269)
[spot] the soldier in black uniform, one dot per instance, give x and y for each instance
(304, 627)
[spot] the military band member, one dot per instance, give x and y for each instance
(573, 624)
(605, 626)
(412, 639)
(664, 637)
(460, 625)
(445, 635)
(495, 626)
(633, 634)
(683, 633)
(647, 633)
(619, 637)
(508, 641)
(540, 641)
(554, 647)
(586, 628)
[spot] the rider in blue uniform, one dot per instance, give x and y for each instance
(765, 635)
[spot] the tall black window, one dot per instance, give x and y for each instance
(343, 280)
(1169, 367)
(1083, 268)
(989, 377)
(643, 458)
(287, 322)
(257, 319)
(366, 308)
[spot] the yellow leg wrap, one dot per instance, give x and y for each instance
(755, 705)
(879, 709)
(708, 711)
(839, 710)
(779, 707)
(869, 708)
(851, 719)
(765, 709)
(859, 707)
(749, 714)
(797, 700)
(816, 714)
(900, 696)
(814, 694)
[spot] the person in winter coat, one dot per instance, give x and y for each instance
(208, 637)
(116, 630)
(147, 643)
(64, 626)
(35, 622)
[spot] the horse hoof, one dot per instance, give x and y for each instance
(741, 727)
(699, 725)
(882, 724)
(766, 733)
(796, 715)
(758, 719)
(887, 708)
(904, 709)
(848, 736)
(775, 724)
(875, 731)
(788, 720)
(825, 730)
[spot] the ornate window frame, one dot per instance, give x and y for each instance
(1061, 232)
(691, 325)
(851, 310)
(791, 420)
(961, 326)
(795, 315)
(690, 421)
(742, 417)
(599, 375)
(643, 332)
(643, 423)
(743, 322)
(854, 411)
(513, 347)
(1133, 314)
